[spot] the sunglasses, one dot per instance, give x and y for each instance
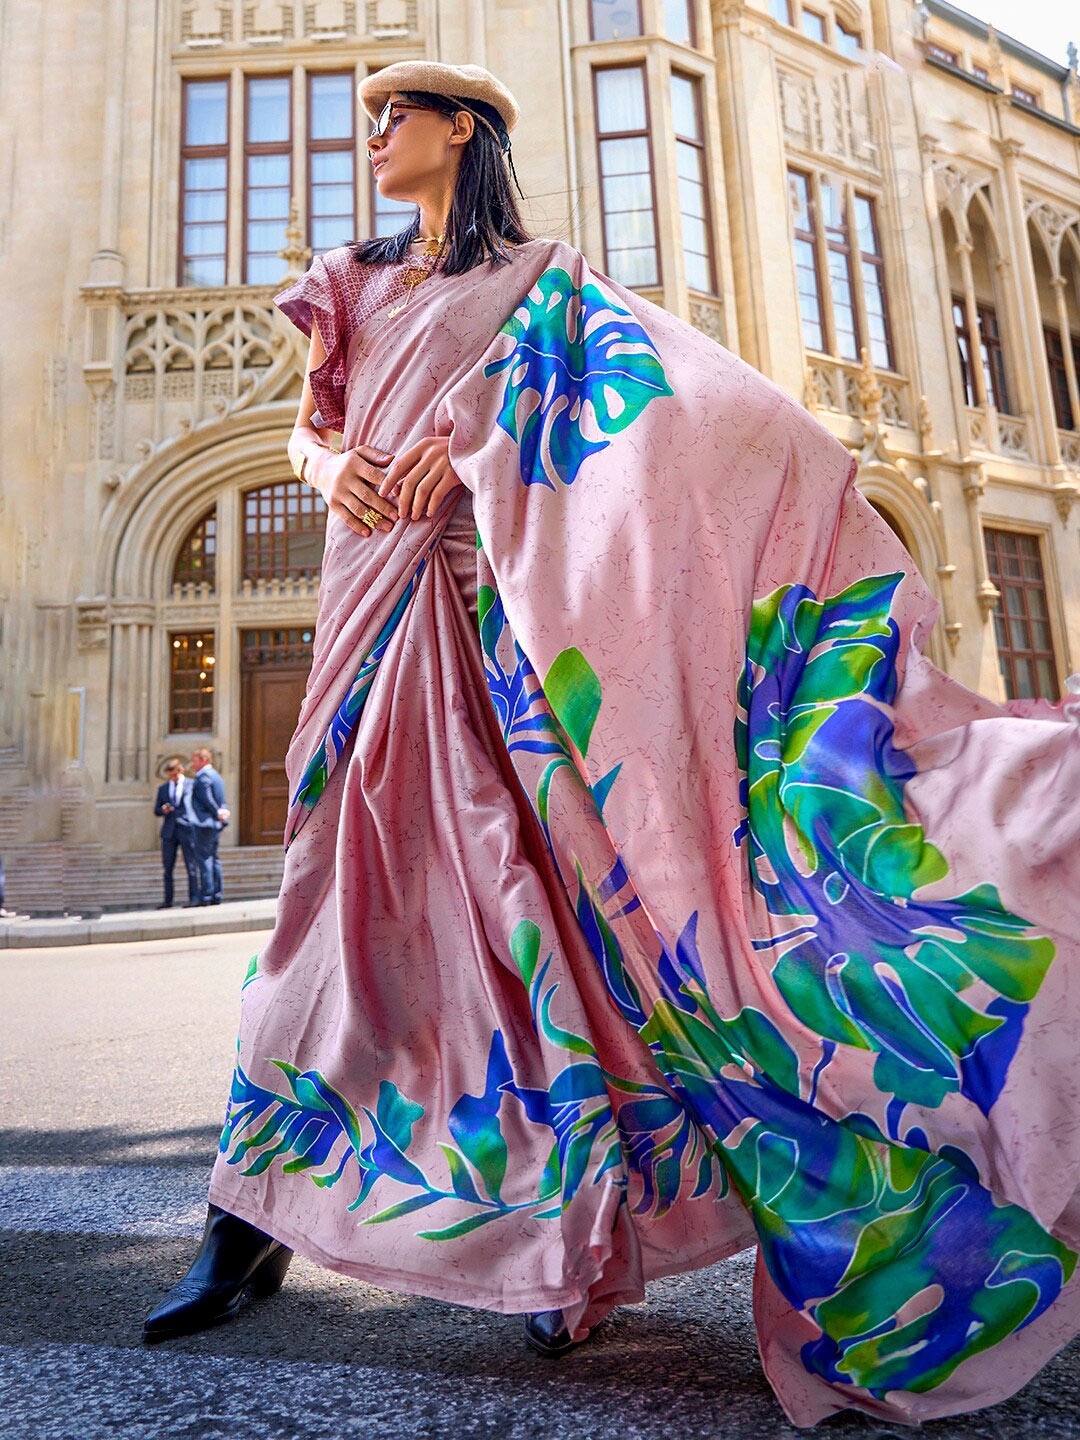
(387, 113)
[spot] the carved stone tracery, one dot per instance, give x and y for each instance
(1051, 224)
(708, 317)
(266, 21)
(206, 22)
(827, 114)
(391, 19)
(209, 23)
(330, 19)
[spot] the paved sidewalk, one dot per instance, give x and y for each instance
(235, 915)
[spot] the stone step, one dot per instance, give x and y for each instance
(50, 879)
(15, 805)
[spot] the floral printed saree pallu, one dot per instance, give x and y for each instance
(672, 901)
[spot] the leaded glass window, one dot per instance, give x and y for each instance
(284, 531)
(197, 561)
(191, 681)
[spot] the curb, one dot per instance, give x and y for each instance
(131, 925)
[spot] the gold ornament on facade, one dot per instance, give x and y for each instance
(295, 253)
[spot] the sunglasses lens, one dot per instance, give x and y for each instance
(384, 118)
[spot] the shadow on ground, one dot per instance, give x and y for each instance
(110, 1145)
(684, 1363)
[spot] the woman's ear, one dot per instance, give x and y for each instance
(464, 125)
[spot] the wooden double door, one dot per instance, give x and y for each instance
(274, 666)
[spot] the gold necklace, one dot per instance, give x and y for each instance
(416, 273)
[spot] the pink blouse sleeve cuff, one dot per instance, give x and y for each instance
(311, 302)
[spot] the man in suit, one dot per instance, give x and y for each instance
(209, 816)
(173, 803)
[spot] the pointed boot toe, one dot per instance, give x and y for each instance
(547, 1334)
(236, 1263)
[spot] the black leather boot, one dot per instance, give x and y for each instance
(235, 1262)
(546, 1333)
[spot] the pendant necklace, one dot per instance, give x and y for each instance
(416, 272)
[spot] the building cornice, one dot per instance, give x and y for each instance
(990, 89)
(1016, 48)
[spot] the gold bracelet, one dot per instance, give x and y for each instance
(299, 463)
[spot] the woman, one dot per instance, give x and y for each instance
(648, 895)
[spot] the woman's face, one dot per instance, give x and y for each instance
(419, 150)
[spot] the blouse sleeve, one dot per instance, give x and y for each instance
(318, 299)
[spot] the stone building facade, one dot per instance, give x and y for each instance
(876, 203)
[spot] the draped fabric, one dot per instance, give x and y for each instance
(649, 895)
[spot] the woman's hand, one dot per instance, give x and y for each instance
(349, 483)
(421, 478)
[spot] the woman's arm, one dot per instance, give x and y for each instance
(306, 442)
(349, 482)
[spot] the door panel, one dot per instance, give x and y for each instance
(273, 676)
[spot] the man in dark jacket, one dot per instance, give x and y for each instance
(209, 815)
(173, 803)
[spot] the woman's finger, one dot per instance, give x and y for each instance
(446, 486)
(407, 490)
(351, 499)
(349, 518)
(422, 495)
(369, 464)
(367, 497)
(372, 456)
(402, 464)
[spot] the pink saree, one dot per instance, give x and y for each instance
(648, 895)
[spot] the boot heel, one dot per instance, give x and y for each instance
(268, 1278)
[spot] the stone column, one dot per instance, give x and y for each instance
(107, 264)
(573, 183)
(988, 679)
(47, 671)
(1059, 282)
(964, 248)
(476, 32)
(1031, 380)
(129, 692)
(753, 162)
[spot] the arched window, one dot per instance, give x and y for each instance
(284, 531)
(196, 562)
(894, 524)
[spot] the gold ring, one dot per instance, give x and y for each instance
(371, 518)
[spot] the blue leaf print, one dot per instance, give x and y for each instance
(580, 360)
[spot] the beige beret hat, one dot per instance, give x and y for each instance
(458, 82)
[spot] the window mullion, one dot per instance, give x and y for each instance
(363, 208)
(855, 274)
(237, 161)
(299, 188)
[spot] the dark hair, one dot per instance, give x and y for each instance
(483, 213)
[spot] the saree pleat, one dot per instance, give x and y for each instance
(649, 894)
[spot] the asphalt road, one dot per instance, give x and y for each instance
(113, 1073)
